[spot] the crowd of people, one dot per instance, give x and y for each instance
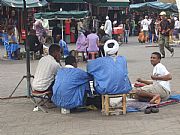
(70, 85)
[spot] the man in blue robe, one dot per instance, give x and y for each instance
(71, 85)
(110, 72)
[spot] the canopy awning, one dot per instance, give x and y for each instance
(61, 15)
(156, 5)
(109, 3)
(66, 1)
(19, 3)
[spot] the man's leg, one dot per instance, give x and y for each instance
(166, 43)
(148, 93)
(161, 45)
(39, 48)
(146, 96)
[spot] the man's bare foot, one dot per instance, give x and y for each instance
(156, 99)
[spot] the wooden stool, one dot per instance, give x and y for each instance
(92, 55)
(107, 109)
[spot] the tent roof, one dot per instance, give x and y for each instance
(61, 15)
(19, 3)
(66, 1)
(156, 5)
(109, 3)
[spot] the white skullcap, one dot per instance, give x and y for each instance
(107, 17)
(102, 27)
(112, 50)
(175, 18)
(162, 13)
(115, 22)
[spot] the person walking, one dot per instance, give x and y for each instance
(108, 27)
(164, 35)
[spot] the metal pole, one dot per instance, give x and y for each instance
(27, 51)
(62, 30)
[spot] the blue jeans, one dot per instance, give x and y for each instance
(126, 35)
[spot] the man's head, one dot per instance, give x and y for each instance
(58, 38)
(13, 13)
(32, 32)
(55, 51)
(107, 17)
(111, 47)
(71, 60)
(162, 15)
(155, 58)
(93, 30)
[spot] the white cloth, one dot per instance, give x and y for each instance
(177, 24)
(160, 70)
(113, 50)
(145, 24)
(45, 73)
(69, 66)
(108, 27)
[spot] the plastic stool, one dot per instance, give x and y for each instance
(92, 55)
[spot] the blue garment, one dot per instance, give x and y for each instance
(70, 87)
(110, 77)
(63, 45)
(10, 48)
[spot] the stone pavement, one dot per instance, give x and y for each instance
(17, 117)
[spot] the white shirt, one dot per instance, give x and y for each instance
(108, 27)
(160, 70)
(145, 23)
(177, 24)
(45, 73)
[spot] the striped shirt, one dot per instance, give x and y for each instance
(45, 73)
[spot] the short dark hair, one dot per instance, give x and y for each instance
(54, 48)
(157, 54)
(70, 60)
(93, 30)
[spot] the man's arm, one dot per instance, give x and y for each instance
(162, 78)
(144, 81)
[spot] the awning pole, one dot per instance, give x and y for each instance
(27, 51)
(62, 29)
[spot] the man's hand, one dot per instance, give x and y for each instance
(139, 80)
(154, 77)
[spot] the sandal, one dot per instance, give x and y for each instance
(154, 109)
(147, 110)
(151, 109)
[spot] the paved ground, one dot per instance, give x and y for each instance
(17, 117)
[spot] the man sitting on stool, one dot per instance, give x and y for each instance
(110, 72)
(33, 42)
(71, 85)
(47, 69)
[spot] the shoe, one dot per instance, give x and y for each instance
(163, 56)
(172, 53)
(154, 109)
(147, 110)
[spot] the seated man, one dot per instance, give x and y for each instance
(71, 85)
(159, 88)
(33, 42)
(47, 69)
(11, 44)
(63, 45)
(110, 72)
